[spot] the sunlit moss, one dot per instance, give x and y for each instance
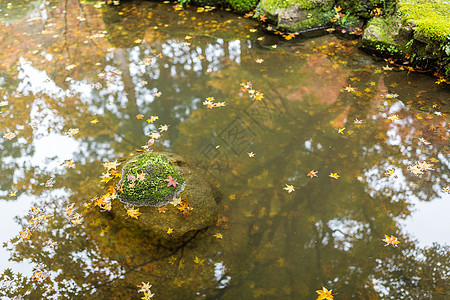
(431, 16)
(274, 4)
(237, 5)
(152, 189)
(298, 15)
(380, 33)
(243, 5)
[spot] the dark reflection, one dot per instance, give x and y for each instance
(116, 63)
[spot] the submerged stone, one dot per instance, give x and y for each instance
(191, 209)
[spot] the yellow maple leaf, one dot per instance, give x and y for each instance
(334, 175)
(169, 230)
(133, 212)
(258, 96)
(390, 240)
(218, 236)
(70, 209)
(25, 235)
(324, 294)
(111, 165)
(289, 188)
(152, 119)
(198, 260)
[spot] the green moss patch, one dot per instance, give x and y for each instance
(274, 4)
(144, 180)
(240, 6)
(431, 16)
(380, 34)
(243, 5)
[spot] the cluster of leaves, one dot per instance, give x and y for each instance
(151, 187)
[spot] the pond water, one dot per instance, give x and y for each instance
(80, 83)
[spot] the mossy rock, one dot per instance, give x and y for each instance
(297, 15)
(241, 6)
(145, 180)
(156, 221)
(383, 35)
(420, 31)
(431, 17)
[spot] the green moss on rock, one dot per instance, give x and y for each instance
(279, 4)
(240, 6)
(243, 5)
(152, 189)
(420, 30)
(432, 17)
(297, 15)
(382, 34)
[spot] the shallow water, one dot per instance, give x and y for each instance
(325, 106)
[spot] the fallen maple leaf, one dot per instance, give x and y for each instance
(171, 181)
(390, 240)
(324, 294)
(72, 131)
(111, 165)
(9, 135)
(133, 212)
(175, 201)
(152, 119)
(312, 173)
(218, 236)
(334, 175)
(289, 188)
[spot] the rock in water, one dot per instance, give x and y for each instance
(173, 210)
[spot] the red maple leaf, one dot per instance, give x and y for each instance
(171, 181)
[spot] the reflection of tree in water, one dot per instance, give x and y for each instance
(328, 232)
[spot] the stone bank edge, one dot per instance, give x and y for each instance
(415, 33)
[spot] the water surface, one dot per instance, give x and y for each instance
(79, 82)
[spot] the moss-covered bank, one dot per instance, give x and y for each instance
(418, 32)
(415, 31)
(241, 6)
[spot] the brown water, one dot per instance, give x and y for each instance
(325, 106)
